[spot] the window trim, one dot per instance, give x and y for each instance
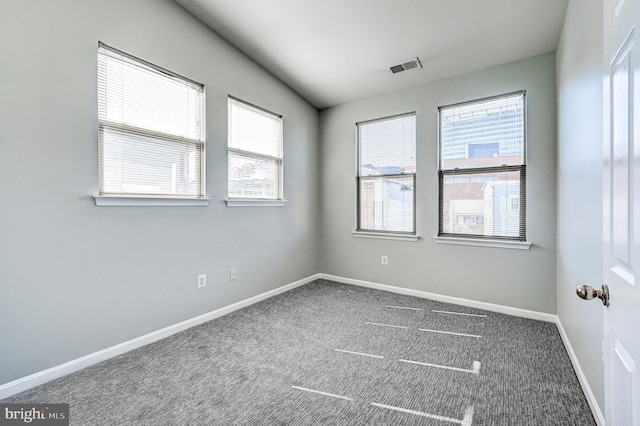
(139, 201)
(485, 240)
(360, 232)
(385, 235)
(256, 202)
(277, 201)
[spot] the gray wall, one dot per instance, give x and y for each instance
(517, 278)
(579, 64)
(76, 278)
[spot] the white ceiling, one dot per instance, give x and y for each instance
(335, 51)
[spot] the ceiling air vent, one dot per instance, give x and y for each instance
(409, 65)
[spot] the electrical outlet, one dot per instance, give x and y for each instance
(202, 280)
(384, 260)
(232, 274)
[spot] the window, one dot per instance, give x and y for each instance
(482, 168)
(386, 174)
(254, 152)
(151, 130)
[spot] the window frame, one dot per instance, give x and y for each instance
(505, 241)
(278, 200)
(140, 198)
(380, 233)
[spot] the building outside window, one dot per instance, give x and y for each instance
(386, 175)
(482, 174)
(255, 152)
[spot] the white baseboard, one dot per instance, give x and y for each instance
(524, 313)
(41, 377)
(588, 393)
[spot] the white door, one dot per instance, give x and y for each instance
(621, 193)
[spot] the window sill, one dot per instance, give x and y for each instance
(385, 236)
(118, 201)
(506, 244)
(255, 203)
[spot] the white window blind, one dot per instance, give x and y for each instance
(254, 152)
(483, 169)
(151, 129)
(386, 174)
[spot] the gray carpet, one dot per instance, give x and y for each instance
(326, 353)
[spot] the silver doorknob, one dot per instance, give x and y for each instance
(587, 293)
